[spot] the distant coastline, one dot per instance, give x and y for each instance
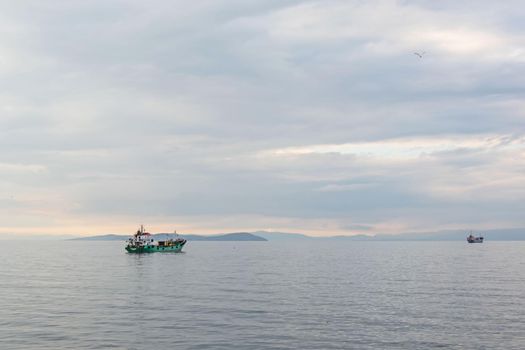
(237, 236)
(516, 234)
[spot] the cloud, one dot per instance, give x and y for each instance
(413, 147)
(303, 115)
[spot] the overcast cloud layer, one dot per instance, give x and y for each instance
(215, 115)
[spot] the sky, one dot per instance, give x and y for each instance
(239, 115)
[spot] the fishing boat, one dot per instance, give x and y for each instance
(473, 239)
(143, 242)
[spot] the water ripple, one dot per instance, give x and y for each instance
(271, 295)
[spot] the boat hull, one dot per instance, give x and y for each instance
(155, 249)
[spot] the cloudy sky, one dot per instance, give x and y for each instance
(221, 115)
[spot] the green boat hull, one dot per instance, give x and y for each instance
(155, 249)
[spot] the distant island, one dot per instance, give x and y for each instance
(515, 234)
(237, 236)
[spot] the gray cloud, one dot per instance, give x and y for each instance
(122, 111)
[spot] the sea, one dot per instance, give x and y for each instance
(317, 294)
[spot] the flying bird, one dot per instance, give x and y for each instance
(420, 55)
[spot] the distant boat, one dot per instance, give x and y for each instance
(473, 239)
(143, 242)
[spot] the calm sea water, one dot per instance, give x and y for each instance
(263, 295)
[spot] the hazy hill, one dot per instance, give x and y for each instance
(448, 235)
(110, 237)
(460, 235)
(237, 236)
(281, 236)
(445, 235)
